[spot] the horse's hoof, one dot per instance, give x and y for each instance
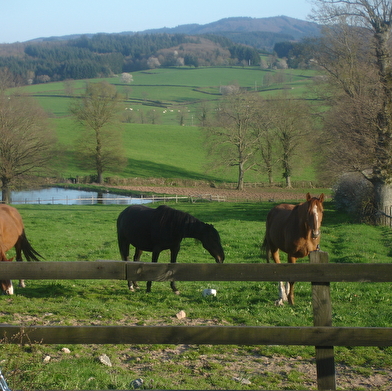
(279, 303)
(176, 292)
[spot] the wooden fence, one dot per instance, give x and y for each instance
(319, 272)
(120, 200)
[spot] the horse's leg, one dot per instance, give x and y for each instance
(18, 250)
(155, 255)
(123, 246)
(281, 285)
(132, 285)
(282, 289)
(290, 291)
(173, 258)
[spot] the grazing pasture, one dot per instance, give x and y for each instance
(88, 233)
(163, 149)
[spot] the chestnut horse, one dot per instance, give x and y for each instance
(12, 234)
(163, 228)
(294, 229)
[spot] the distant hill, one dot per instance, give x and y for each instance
(230, 41)
(261, 33)
(278, 25)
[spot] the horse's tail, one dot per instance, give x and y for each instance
(265, 249)
(28, 251)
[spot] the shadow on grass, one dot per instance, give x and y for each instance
(149, 169)
(50, 289)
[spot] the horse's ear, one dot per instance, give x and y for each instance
(308, 197)
(321, 198)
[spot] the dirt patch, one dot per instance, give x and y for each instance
(244, 366)
(204, 192)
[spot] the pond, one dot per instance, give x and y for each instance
(56, 195)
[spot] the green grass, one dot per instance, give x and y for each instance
(166, 149)
(159, 151)
(176, 87)
(87, 233)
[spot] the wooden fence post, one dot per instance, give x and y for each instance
(322, 316)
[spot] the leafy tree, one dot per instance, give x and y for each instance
(366, 96)
(26, 141)
(99, 146)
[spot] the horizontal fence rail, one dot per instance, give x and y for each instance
(143, 271)
(200, 335)
(319, 272)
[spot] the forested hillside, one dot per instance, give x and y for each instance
(103, 55)
(226, 42)
(261, 33)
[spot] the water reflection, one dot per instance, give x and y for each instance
(55, 195)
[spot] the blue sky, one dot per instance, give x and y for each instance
(23, 20)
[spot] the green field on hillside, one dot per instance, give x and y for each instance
(160, 151)
(173, 87)
(166, 149)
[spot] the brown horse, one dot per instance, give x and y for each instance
(12, 234)
(294, 229)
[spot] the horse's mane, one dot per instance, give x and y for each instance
(174, 220)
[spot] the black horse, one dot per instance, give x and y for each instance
(163, 228)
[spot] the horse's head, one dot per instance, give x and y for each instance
(6, 285)
(211, 242)
(315, 214)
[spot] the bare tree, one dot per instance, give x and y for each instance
(6, 79)
(100, 146)
(69, 87)
(203, 113)
(181, 114)
(267, 137)
(372, 104)
(154, 116)
(26, 141)
(233, 141)
(291, 121)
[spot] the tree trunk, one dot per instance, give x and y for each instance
(5, 192)
(286, 169)
(100, 178)
(98, 156)
(240, 183)
(382, 171)
(383, 203)
(269, 173)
